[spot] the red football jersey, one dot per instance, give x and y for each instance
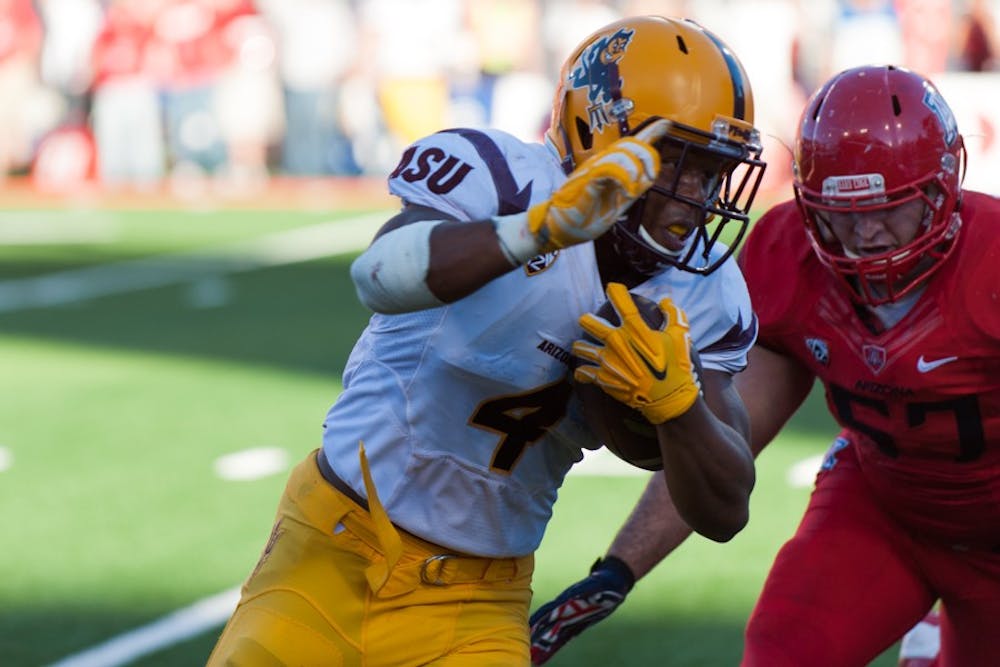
(922, 398)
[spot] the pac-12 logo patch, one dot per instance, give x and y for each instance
(539, 263)
(830, 459)
(597, 70)
(819, 349)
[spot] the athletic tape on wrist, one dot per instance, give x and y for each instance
(391, 275)
(516, 240)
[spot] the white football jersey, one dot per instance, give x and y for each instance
(465, 410)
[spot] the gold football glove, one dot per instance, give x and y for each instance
(648, 369)
(589, 202)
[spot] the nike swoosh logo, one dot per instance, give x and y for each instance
(659, 375)
(925, 366)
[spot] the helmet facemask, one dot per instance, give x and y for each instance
(732, 173)
(889, 276)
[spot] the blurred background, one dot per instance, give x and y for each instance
(183, 185)
(186, 96)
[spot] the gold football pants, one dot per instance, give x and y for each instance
(339, 585)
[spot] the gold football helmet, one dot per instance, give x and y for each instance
(638, 69)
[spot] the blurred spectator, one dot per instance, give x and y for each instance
(125, 111)
(565, 23)
(927, 34)
(247, 101)
(188, 52)
(318, 46)
(408, 48)
(29, 110)
(505, 84)
(864, 32)
(70, 28)
(810, 55)
(777, 99)
(976, 43)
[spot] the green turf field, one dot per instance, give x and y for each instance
(138, 347)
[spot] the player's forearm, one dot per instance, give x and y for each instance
(652, 531)
(709, 471)
(427, 263)
(464, 257)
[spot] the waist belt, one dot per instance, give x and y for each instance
(336, 482)
(439, 568)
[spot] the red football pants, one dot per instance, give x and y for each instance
(852, 581)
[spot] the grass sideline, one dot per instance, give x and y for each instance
(120, 404)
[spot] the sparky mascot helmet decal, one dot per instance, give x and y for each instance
(598, 72)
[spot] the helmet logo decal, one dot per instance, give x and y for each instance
(598, 72)
(933, 101)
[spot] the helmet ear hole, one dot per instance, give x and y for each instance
(583, 131)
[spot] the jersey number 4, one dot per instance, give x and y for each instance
(520, 420)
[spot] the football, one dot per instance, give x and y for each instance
(622, 429)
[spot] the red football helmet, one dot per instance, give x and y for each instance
(870, 139)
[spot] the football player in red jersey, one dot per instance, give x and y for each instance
(881, 279)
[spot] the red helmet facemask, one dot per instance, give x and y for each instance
(873, 138)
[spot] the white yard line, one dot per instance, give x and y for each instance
(171, 629)
(602, 463)
(251, 464)
(22, 227)
(803, 473)
(298, 245)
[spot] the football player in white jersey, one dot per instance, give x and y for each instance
(407, 539)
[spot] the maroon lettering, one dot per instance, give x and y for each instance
(437, 183)
(403, 161)
(442, 171)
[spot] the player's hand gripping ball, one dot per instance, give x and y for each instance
(637, 370)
